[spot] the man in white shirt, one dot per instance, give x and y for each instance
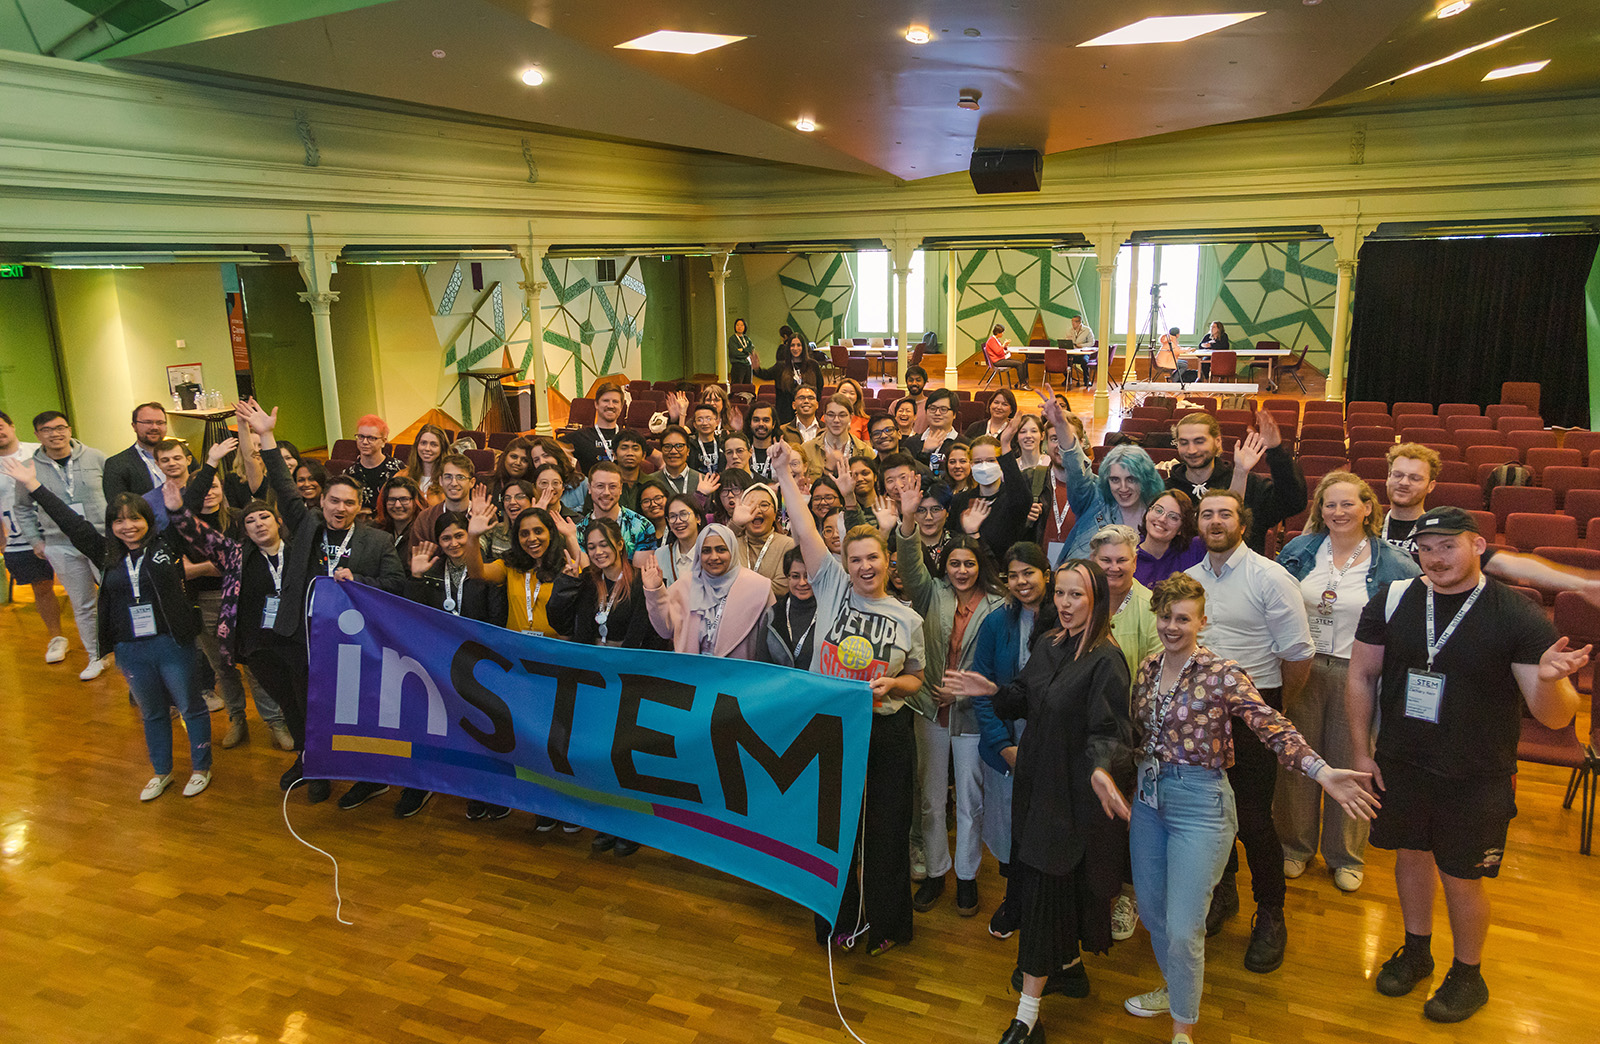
(24, 566)
(1258, 619)
(805, 425)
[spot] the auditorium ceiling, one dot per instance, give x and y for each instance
(878, 103)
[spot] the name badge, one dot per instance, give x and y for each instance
(1321, 632)
(269, 612)
(77, 508)
(1148, 771)
(1052, 551)
(143, 618)
(531, 630)
(1424, 694)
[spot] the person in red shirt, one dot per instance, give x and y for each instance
(998, 352)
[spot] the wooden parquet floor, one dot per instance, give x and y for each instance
(202, 920)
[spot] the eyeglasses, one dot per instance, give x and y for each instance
(930, 511)
(54, 429)
(369, 438)
(158, 423)
(674, 447)
(940, 408)
(681, 516)
(400, 500)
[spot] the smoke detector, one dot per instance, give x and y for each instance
(969, 98)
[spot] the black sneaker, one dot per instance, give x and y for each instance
(624, 847)
(1462, 993)
(1224, 904)
(477, 809)
(966, 897)
(1401, 973)
(1003, 925)
(1019, 1033)
(927, 894)
(570, 828)
(498, 812)
(1269, 937)
(318, 791)
(360, 793)
(543, 824)
(603, 842)
(293, 775)
(411, 802)
(1068, 982)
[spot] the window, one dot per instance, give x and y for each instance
(1178, 267)
(875, 287)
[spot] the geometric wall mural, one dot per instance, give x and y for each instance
(1279, 292)
(591, 328)
(817, 289)
(1015, 288)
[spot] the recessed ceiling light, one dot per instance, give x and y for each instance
(438, 53)
(918, 34)
(675, 42)
(532, 76)
(1169, 29)
(1461, 53)
(806, 124)
(1452, 9)
(1515, 70)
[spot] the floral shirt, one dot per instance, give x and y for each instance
(638, 532)
(1197, 728)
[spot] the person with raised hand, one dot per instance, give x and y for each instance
(754, 522)
(1198, 440)
(1065, 868)
(1002, 487)
(716, 607)
(1127, 484)
(866, 634)
(145, 616)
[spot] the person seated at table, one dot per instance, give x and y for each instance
(1216, 340)
(1081, 336)
(997, 350)
(1170, 358)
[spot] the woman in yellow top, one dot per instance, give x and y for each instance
(542, 547)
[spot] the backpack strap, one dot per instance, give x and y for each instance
(1397, 590)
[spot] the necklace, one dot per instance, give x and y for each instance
(1330, 594)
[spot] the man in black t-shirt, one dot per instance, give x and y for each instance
(1448, 664)
(599, 441)
(1201, 469)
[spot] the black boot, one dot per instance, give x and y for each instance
(1269, 936)
(1224, 904)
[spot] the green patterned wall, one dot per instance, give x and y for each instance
(1011, 288)
(1276, 292)
(817, 288)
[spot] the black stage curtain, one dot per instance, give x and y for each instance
(1451, 320)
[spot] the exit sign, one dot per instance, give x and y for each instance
(13, 272)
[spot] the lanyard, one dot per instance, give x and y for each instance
(1060, 514)
(762, 556)
(67, 479)
(275, 568)
(1125, 600)
(452, 595)
(604, 614)
(708, 635)
(133, 565)
(1166, 699)
(709, 459)
(1331, 594)
(679, 484)
(530, 594)
(336, 555)
(788, 625)
(1434, 647)
(605, 443)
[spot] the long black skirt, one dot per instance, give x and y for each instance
(1057, 914)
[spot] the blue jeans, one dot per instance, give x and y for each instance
(159, 670)
(1179, 851)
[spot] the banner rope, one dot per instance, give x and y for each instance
(338, 908)
(862, 924)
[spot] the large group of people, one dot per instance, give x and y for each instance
(1101, 665)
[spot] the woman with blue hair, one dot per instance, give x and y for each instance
(1127, 483)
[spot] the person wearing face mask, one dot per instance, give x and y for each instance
(1191, 708)
(1001, 501)
(953, 608)
(835, 441)
(1171, 539)
(717, 607)
(1341, 562)
(1005, 641)
(1065, 866)
(144, 616)
(789, 625)
(864, 633)
(1198, 440)
(760, 546)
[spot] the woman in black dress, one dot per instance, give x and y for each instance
(789, 371)
(1067, 845)
(740, 351)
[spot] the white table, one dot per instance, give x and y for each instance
(1134, 392)
(1271, 355)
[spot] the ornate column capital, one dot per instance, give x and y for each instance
(319, 300)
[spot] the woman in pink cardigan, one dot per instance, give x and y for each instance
(717, 606)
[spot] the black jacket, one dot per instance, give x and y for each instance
(161, 572)
(1270, 500)
(480, 600)
(372, 557)
(573, 606)
(125, 473)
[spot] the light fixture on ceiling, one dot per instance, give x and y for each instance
(437, 53)
(918, 34)
(1514, 70)
(806, 124)
(532, 76)
(968, 98)
(1452, 9)
(1462, 53)
(1169, 29)
(673, 41)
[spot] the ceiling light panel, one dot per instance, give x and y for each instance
(1169, 29)
(674, 42)
(1515, 70)
(1451, 10)
(1463, 53)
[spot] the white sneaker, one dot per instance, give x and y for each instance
(1348, 878)
(1124, 917)
(919, 864)
(56, 651)
(1182, 1038)
(93, 671)
(1149, 1005)
(197, 782)
(1293, 868)
(156, 787)
(213, 701)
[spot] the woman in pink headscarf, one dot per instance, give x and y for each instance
(717, 606)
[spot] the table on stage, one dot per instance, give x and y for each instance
(1034, 355)
(494, 397)
(1271, 355)
(1134, 392)
(216, 425)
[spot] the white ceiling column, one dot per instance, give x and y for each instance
(1106, 246)
(316, 261)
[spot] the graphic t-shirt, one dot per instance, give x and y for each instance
(8, 498)
(863, 638)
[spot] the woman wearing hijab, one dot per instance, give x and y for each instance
(716, 608)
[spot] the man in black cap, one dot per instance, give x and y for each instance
(1448, 660)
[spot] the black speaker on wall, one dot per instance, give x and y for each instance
(1006, 170)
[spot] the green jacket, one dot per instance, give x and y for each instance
(935, 600)
(1135, 629)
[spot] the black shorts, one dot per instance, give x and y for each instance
(26, 567)
(1462, 821)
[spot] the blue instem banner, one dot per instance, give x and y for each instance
(748, 768)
